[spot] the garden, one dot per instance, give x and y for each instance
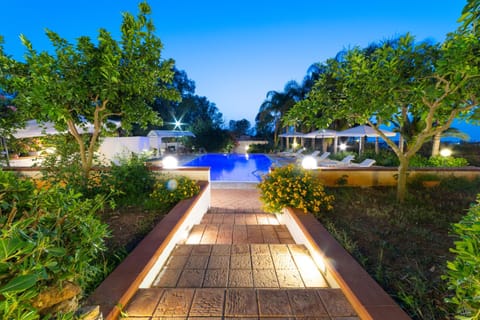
(424, 251)
(60, 239)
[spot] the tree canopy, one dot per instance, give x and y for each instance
(90, 82)
(396, 81)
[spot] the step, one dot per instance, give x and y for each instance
(218, 303)
(240, 266)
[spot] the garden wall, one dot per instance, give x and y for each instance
(194, 173)
(144, 262)
(340, 269)
(382, 176)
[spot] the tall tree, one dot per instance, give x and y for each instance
(239, 127)
(434, 83)
(276, 106)
(11, 117)
(92, 81)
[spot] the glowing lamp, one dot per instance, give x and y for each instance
(309, 162)
(170, 162)
(343, 146)
(445, 152)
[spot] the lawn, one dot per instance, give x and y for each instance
(403, 246)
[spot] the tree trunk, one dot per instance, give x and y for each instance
(402, 179)
(436, 144)
(401, 144)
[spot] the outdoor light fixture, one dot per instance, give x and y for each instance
(295, 144)
(445, 152)
(343, 146)
(247, 147)
(170, 162)
(309, 162)
(177, 124)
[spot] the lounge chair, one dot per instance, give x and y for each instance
(315, 154)
(333, 163)
(292, 154)
(364, 164)
(323, 157)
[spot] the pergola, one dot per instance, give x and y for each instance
(362, 132)
(293, 135)
(322, 134)
(156, 137)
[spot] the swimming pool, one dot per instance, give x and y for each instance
(233, 167)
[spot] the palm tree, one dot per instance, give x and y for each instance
(276, 105)
(450, 133)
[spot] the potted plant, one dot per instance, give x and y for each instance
(428, 180)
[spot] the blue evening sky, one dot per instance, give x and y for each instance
(237, 51)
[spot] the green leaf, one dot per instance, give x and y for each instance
(20, 283)
(57, 252)
(8, 247)
(3, 267)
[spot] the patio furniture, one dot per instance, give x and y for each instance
(364, 164)
(292, 154)
(333, 163)
(323, 157)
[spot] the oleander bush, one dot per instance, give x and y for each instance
(463, 274)
(51, 245)
(293, 186)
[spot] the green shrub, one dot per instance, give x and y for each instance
(260, 148)
(170, 190)
(463, 273)
(342, 154)
(385, 157)
(56, 239)
(418, 161)
(293, 186)
(439, 161)
(15, 192)
(64, 167)
(130, 181)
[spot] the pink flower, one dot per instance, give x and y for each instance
(13, 108)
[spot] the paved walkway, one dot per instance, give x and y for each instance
(239, 263)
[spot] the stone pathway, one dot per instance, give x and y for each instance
(239, 264)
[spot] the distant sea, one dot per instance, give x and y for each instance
(472, 130)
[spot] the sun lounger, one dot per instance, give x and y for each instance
(364, 164)
(333, 163)
(323, 157)
(292, 154)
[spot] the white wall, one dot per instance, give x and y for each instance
(115, 148)
(242, 144)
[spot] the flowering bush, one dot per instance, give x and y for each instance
(292, 186)
(170, 190)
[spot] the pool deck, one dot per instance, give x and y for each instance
(239, 263)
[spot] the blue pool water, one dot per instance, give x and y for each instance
(233, 167)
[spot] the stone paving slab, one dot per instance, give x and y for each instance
(238, 303)
(238, 233)
(239, 266)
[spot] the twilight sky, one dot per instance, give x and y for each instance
(237, 51)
